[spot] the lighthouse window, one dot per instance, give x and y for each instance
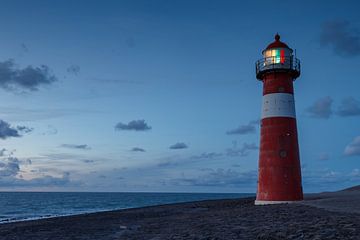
(283, 153)
(274, 56)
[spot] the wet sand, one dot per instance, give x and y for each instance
(320, 216)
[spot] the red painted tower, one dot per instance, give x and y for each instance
(279, 162)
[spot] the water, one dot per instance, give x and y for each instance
(20, 206)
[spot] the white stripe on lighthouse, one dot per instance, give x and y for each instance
(278, 105)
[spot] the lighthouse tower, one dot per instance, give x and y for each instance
(279, 162)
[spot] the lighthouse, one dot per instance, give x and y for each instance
(279, 179)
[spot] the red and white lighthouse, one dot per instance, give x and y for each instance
(279, 162)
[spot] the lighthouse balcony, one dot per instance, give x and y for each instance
(288, 64)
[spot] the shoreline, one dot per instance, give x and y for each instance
(307, 197)
(207, 219)
(111, 210)
(75, 212)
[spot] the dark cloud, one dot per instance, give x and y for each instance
(349, 107)
(243, 151)
(353, 148)
(24, 129)
(341, 37)
(76, 146)
(73, 69)
(137, 149)
(28, 79)
(322, 108)
(179, 145)
(244, 129)
(219, 177)
(7, 131)
(135, 125)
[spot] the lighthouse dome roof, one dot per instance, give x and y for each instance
(277, 43)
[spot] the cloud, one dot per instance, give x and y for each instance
(244, 129)
(51, 130)
(29, 78)
(316, 180)
(207, 155)
(9, 167)
(241, 152)
(169, 163)
(70, 157)
(341, 37)
(44, 181)
(24, 129)
(135, 125)
(219, 177)
(137, 149)
(353, 148)
(76, 146)
(73, 69)
(2, 152)
(7, 131)
(322, 108)
(179, 145)
(349, 107)
(355, 173)
(175, 160)
(88, 161)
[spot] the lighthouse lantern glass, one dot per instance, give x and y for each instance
(276, 56)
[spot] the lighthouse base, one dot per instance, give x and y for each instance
(262, 202)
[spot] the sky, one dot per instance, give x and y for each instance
(161, 96)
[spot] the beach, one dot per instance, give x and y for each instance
(320, 216)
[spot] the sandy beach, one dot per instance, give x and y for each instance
(321, 216)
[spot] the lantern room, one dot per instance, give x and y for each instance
(277, 57)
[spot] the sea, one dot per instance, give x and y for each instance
(22, 206)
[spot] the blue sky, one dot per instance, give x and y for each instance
(162, 95)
